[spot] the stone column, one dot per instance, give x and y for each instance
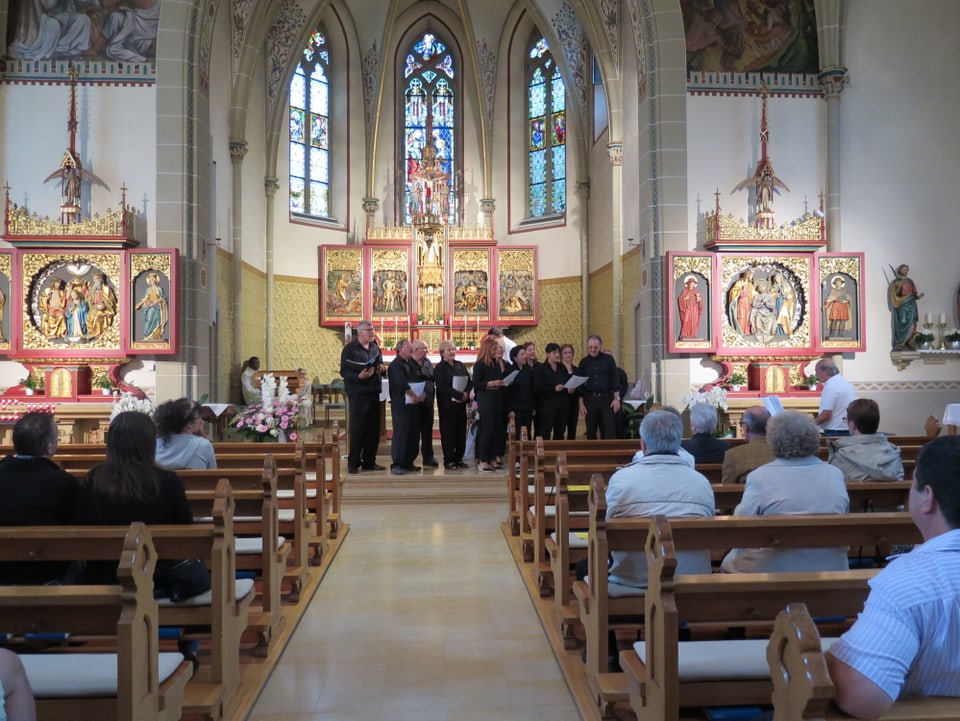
(370, 206)
(270, 187)
(615, 153)
(583, 190)
(487, 206)
(238, 149)
(832, 80)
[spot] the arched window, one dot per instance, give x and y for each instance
(429, 101)
(547, 133)
(310, 130)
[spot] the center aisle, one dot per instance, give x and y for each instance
(422, 615)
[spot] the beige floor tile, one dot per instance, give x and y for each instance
(421, 616)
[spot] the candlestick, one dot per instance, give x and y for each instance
(943, 317)
(928, 318)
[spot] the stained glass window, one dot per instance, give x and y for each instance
(310, 130)
(547, 133)
(430, 86)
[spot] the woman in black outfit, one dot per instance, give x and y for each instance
(451, 406)
(488, 373)
(520, 392)
(567, 354)
(553, 398)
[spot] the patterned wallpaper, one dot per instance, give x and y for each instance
(253, 325)
(600, 321)
(300, 342)
(560, 311)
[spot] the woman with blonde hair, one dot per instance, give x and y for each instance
(488, 373)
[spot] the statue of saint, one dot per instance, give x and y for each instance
(903, 297)
(690, 305)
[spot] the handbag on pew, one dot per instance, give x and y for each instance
(180, 580)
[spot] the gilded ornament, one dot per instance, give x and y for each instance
(849, 265)
(691, 264)
(516, 260)
(344, 259)
(390, 260)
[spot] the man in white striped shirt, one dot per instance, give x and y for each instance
(906, 642)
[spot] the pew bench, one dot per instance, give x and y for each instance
(132, 682)
(802, 688)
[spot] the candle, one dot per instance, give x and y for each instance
(928, 318)
(943, 319)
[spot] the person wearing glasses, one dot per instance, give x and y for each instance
(180, 439)
(361, 366)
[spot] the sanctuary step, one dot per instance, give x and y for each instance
(432, 486)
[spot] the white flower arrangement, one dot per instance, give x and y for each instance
(715, 396)
(277, 413)
(127, 401)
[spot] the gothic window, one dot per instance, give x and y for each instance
(546, 133)
(429, 86)
(310, 130)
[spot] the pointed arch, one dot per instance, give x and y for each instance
(546, 113)
(309, 136)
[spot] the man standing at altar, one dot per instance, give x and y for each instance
(837, 394)
(361, 366)
(426, 408)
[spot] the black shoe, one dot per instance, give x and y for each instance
(452, 466)
(461, 464)
(353, 469)
(432, 462)
(372, 467)
(397, 470)
(411, 468)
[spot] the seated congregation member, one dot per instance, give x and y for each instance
(685, 455)
(705, 447)
(35, 492)
(16, 696)
(488, 373)
(865, 455)
(553, 398)
(904, 642)
(795, 483)
(452, 405)
(661, 482)
(739, 460)
(567, 353)
(129, 486)
(180, 439)
(519, 394)
(248, 372)
(404, 409)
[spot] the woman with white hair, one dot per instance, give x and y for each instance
(795, 483)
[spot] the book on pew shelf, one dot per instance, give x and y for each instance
(773, 405)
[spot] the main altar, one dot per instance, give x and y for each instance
(433, 278)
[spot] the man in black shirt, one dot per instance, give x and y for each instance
(34, 491)
(404, 409)
(361, 366)
(600, 395)
(426, 408)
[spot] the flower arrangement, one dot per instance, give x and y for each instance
(275, 418)
(922, 337)
(32, 383)
(716, 396)
(811, 380)
(127, 401)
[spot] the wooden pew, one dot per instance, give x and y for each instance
(802, 688)
(219, 616)
(664, 674)
(326, 452)
(599, 611)
(126, 615)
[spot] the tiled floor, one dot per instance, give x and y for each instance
(422, 617)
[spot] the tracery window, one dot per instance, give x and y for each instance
(310, 130)
(429, 83)
(546, 133)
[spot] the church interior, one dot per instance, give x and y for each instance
(222, 179)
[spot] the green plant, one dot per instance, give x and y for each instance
(31, 382)
(923, 337)
(101, 379)
(811, 380)
(737, 378)
(953, 336)
(634, 416)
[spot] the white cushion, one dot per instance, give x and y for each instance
(310, 476)
(574, 541)
(548, 490)
(616, 590)
(66, 675)
(286, 515)
(712, 660)
(246, 546)
(241, 586)
(288, 493)
(548, 511)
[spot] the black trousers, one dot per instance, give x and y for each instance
(406, 434)
(600, 416)
(492, 434)
(364, 429)
(426, 429)
(453, 431)
(573, 416)
(522, 419)
(553, 418)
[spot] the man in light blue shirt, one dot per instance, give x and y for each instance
(906, 641)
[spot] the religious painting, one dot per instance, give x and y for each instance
(341, 284)
(765, 302)
(72, 304)
(689, 296)
(516, 285)
(123, 31)
(6, 309)
(390, 284)
(470, 283)
(840, 304)
(742, 36)
(153, 299)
